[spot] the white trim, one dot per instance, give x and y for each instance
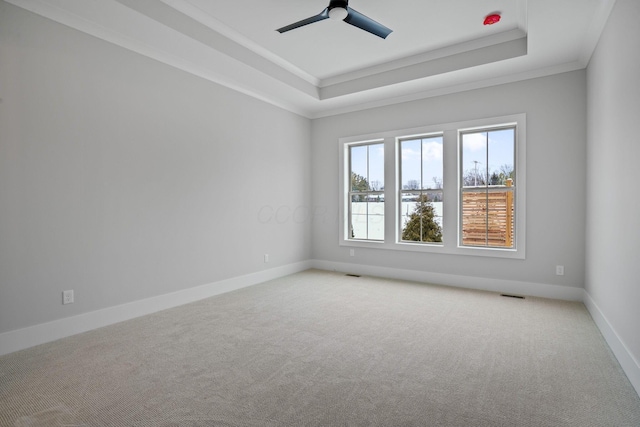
(421, 89)
(450, 134)
(628, 362)
(519, 121)
(204, 18)
(596, 27)
(424, 58)
(45, 332)
(284, 85)
(110, 21)
(514, 287)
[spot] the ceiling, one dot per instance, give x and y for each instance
(330, 67)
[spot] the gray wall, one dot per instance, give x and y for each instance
(123, 178)
(556, 147)
(613, 205)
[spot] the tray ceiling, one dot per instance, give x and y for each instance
(330, 67)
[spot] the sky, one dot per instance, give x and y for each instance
(368, 161)
(500, 152)
(422, 161)
(422, 158)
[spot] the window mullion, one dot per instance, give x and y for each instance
(481, 217)
(367, 196)
(486, 185)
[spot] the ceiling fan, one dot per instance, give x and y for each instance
(339, 9)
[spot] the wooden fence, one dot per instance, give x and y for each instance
(487, 218)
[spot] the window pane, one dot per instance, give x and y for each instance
(488, 213)
(500, 219)
(422, 163)
(421, 169)
(376, 167)
(358, 218)
(366, 220)
(421, 216)
(474, 218)
(375, 221)
(474, 159)
(358, 158)
(407, 207)
(487, 219)
(501, 156)
(411, 155)
(432, 163)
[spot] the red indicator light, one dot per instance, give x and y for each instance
(491, 19)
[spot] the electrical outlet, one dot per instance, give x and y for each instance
(352, 252)
(266, 258)
(559, 270)
(67, 297)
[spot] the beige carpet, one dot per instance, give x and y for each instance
(323, 349)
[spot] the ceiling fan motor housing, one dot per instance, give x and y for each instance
(338, 3)
(340, 10)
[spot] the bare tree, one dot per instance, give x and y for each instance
(375, 186)
(412, 184)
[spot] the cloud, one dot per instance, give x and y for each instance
(432, 151)
(378, 150)
(475, 141)
(410, 154)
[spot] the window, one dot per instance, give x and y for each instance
(487, 187)
(421, 193)
(456, 188)
(366, 191)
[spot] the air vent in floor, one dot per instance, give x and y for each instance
(512, 296)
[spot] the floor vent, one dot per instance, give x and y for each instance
(512, 296)
(352, 275)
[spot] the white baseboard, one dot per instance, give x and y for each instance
(627, 361)
(480, 283)
(45, 332)
(39, 334)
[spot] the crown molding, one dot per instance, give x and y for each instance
(183, 36)
(197, 14)
(441, 90)
(598, 22)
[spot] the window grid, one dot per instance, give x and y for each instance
(424, 216)
(364, 196)
(452, 205)
(496, 214)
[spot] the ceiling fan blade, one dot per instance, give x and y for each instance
(359, 20)
(319, 17)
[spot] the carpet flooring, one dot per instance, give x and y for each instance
(324, 349)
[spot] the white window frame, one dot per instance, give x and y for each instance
(451, 186)
(483, 189)
(351, 193)
(400, 191)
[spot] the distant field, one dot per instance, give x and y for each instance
(375, 223)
